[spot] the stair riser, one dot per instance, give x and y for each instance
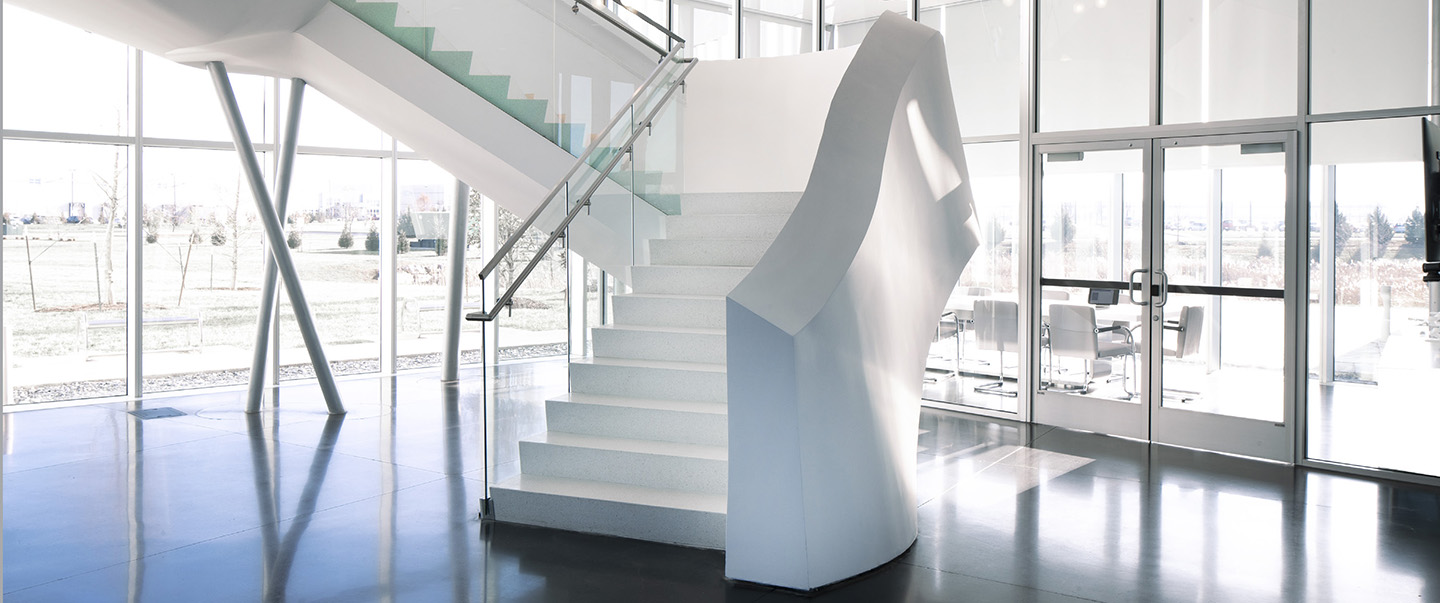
(660, 345)
(648, 382)
(708, 429)
(635, 468)
(764, 227)
(686, 280)
(740, 203)
(664, 312)
(707, 252)
(645, 522)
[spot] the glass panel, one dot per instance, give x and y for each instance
(1095, 63)
(342, 285)
(1090, 231)
(708, 28)
(426, 193)
(1374, 359)
(535, 324)
(1091, 215)
(653, 10)
(64, 273)
(773, 28)
(558, 84)
(1228, 60)
(956, 365)
(477, 231)
(180, 102)
(91, 98)
(847, 21)
(325, 123)
(986, 58)
(1224, 217)
(1370, 55)
(202, 270)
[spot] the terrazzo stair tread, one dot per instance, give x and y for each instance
(685, 422)
(661, 380)
(725, 226)
(739, 203)
(708, 252)
(631, 445)
(675, 365)
(638, 462)
(687, 280)
(688, 406)
(667, 310)
(660, 343)
(694, 519)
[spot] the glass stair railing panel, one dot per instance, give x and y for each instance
(556, 70)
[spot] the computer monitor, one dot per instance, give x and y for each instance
(1104, 297)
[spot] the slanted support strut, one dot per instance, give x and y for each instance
(275, 236)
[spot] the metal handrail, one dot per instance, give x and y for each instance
(583, 202)
(626, 28)
(579, 163)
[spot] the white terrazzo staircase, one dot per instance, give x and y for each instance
(638, 448)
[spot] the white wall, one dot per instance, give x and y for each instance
(827, 336)
(753, 125)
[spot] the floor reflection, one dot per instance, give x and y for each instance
(381, 505)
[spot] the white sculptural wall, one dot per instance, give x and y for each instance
(827, 336)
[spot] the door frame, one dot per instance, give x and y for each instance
(1211, 431)
(1112, 417)
(1150, 420)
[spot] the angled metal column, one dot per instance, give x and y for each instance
(275, 236)
(267, 293)
(454, 296)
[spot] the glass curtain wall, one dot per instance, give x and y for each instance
(773, 28)
(1373, 338)
(68, 152)
(847, 21)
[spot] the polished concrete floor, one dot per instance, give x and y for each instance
(380, 505)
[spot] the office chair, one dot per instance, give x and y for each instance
(1074, 334)
(997, 328)
(1187, 343)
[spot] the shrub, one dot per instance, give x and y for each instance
(1415, 228)
(217, 238)
(402, 243)
(372, 240)
(346, 238)
(440, 246)
(292, 239)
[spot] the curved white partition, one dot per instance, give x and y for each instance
(827, 336)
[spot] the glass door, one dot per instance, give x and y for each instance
(1222, 304)
(1165, 309)
(1088, 333)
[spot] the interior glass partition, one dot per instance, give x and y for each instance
(986, 58)
(1094, 63)
(1228, 60)
(1372, 55)
(1373, 345)
(957, 363)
